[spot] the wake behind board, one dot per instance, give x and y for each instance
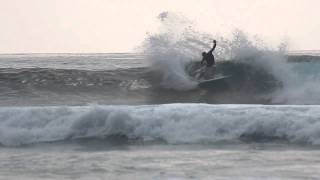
(214, 81)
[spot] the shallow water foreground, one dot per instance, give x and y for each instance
(99, 161)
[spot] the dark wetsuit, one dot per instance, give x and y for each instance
(208, 57)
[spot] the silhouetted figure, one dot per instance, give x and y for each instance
(208, 56)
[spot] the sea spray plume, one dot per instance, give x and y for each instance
(260, 57)
(178, 44)
(258, 54)
(298, 86)
(301, 86)
(172, 49)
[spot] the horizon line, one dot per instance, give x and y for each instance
(129, 52)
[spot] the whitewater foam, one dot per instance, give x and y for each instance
(172, 123)
(178, 44)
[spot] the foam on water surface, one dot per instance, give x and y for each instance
(171, 123)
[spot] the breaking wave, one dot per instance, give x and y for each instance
(178, 45)
(171, 123)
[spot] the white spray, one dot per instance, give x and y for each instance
(177, 44)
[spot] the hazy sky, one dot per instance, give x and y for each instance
(120, 25)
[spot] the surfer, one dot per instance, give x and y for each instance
(208, 56)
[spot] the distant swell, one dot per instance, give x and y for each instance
(66, 78)
(172, 123)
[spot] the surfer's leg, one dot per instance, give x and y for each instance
(201, 72)
(210, 72)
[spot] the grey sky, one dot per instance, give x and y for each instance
(120, 25)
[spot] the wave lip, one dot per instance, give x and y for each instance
(171, 123)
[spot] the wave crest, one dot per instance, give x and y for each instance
(172, 123)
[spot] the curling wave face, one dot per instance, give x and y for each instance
(171, 123)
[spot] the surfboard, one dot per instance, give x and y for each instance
(213, 80)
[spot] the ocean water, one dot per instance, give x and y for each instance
(143, 116)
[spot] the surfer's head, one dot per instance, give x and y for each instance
(204, 53)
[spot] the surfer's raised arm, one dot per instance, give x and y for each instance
(214, 46)
(208, 57)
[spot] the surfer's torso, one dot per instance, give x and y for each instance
(209, 58)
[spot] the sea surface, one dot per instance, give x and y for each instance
(145, 116)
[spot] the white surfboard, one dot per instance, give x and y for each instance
(213, 80)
